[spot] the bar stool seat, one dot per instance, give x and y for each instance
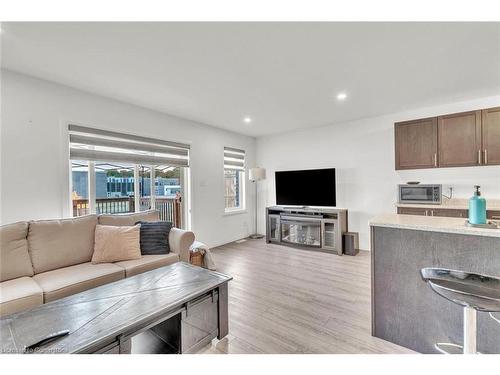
(474, 292)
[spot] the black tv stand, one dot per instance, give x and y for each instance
(315, 228)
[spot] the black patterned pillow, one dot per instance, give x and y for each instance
(154, 237)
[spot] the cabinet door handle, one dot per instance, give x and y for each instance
(435, 160)
(485, 156)
(479, 156)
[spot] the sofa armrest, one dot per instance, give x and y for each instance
(180, 241)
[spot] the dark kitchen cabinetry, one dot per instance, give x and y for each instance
(493, 215)
(412, 211)
(459, 139)
(416, 144)
(454, 140)
(444, 212)
(491, 136)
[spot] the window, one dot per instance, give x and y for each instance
(146, 193)
(114, 173)
(234, 179)
(168, 189)
(80, 187)
(114, 188)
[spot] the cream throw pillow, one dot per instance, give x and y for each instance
(113, 244)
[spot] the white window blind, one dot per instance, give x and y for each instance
(102, 145)
(234, 159)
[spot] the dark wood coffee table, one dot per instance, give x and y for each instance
(173, 309)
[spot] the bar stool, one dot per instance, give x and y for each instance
(472, 291)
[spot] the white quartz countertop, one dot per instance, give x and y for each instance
(455, 203)
(431, 224)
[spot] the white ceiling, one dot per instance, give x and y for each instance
(283, 75)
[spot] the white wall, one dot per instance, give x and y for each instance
(33, 148)
(363, 154)
(34, 162)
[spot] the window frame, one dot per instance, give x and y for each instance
(67, 207)
(92, 197)
(242, 190)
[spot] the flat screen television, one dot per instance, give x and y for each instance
(309, 187)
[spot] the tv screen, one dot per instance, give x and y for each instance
(311, 187)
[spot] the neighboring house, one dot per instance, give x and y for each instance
(116, 187)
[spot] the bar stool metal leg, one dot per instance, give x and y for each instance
(470, 330)
(470, 336)
(474, 292)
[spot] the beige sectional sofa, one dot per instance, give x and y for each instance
(41, 261)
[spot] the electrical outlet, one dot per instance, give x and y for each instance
(449, 195)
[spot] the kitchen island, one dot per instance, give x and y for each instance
(405, 310)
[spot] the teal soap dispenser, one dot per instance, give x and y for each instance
(477, 208)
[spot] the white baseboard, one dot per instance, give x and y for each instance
(221, 243)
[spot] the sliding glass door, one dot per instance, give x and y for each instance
(107, 183)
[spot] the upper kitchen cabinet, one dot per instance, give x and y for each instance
(416, 144)
(456, 140)
(459, 139)
(491, 136)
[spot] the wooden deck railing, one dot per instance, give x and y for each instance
(169, 208)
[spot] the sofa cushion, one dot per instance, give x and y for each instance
(154, 237)
(75, 279)
(18, 295)
(113, 244)
(129, 219)
(14, 258)
(55, 244)
(147, 263)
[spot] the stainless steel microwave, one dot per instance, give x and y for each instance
(423, 194)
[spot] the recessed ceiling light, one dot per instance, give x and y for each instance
(247, 120)
(341, 96)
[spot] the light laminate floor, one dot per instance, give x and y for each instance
(288, 300)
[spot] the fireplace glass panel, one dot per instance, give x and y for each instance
(274, 228)
(302, 233)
